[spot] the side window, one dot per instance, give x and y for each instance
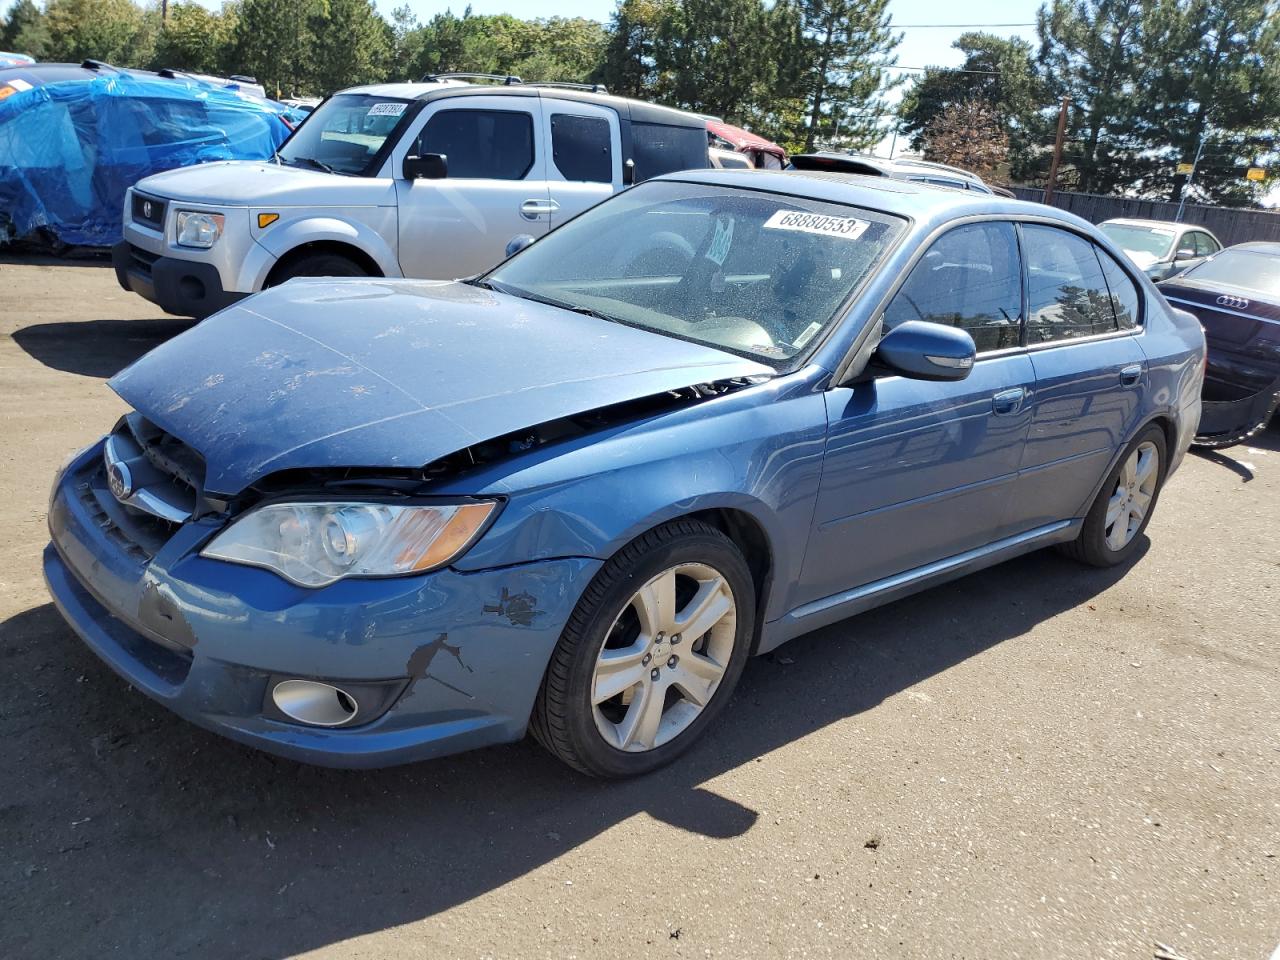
(1205, 246)
(659, 149)
(1066, 291)
(481, 144)
(970, 278)
(581, 149)
(1124, 293)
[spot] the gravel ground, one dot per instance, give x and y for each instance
(1040, 760)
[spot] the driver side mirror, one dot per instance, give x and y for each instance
(1184, 253)
(429, 166)
(927, 351)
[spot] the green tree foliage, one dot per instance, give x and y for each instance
(114, 31)
(273, 41)
(349, 44)
(25, 30)
(195, 38)
(998, 72)
(968, 134)
(631, 55)
(846, 44)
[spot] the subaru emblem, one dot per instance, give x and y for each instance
(119, 479)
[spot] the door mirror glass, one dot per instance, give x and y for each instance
(518, 243)
(926, 351)
(1185, 253)
(429, 166)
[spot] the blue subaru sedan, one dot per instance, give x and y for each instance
(365, 522)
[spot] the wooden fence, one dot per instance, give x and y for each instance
(1229, 224)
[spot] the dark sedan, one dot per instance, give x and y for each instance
(1236, 297)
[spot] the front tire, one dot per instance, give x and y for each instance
(318, 265)
(651, 654)
(1124, 505)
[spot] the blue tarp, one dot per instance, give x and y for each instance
(69, 150)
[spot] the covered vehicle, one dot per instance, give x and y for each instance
(764, 154)
(1161, 248)
(75, 137)
(366, 521)
(15, 59)
(1236, 296)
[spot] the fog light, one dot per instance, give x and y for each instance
(318, 704)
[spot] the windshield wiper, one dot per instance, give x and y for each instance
(318, 164)
(523, 294)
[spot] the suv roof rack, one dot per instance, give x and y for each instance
(505, 80)
(565, 85)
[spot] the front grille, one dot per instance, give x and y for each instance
(165, 479)
(148, 210)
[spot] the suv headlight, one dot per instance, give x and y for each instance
(197, 229)
(315, 544)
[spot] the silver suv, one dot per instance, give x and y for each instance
(429, 179)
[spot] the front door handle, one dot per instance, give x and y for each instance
(1131, 374)
(533, 209)
(1008, 402)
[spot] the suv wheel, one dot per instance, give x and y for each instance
(319, 265)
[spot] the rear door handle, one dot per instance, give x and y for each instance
(1008, 402)
(1131, 374)
(532, 209)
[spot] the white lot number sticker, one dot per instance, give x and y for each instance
(846, 228)
(387, 109)
(718, 252)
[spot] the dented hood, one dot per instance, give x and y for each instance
(392, 373)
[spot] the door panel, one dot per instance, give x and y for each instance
(915, 472)
(460, 225)
(585, 156)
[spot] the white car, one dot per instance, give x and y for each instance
(1160, 248)
(429, 180)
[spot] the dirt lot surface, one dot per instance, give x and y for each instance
(1040, 760)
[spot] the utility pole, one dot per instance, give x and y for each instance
(1182, 194)
(1057, 151)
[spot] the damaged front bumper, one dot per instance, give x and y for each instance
(208, 639)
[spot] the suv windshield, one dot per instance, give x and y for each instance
(757, 274)
(1137, 239)
(1246, 269)
(345, 133)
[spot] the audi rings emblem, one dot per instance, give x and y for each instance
(1236, 303)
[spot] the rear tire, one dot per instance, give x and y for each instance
(630, 686)
(1123, 507)
(319, 265)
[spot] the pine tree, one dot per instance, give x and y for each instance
(25, 30)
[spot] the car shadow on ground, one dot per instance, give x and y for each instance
(195, 846)
(96, 348)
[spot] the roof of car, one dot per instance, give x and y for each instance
(1163, 224)
(1258, 246)
(921, 202)
(444, 87)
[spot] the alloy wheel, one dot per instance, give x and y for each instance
(664, 657)
(1135, 489)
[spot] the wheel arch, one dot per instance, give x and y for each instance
(751, 538)
(316, 247)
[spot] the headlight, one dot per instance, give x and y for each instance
(199, 229)
(315, 544)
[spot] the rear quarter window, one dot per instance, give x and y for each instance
(658, 148)
(581, 149)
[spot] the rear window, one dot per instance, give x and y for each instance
(581, 148)
(1242, 269)
(658, 149)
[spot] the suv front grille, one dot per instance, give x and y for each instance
(148, 211)
(142, 260)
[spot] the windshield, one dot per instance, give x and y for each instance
(1132, 238)
(345, 133)
(756, 274)
(1242, 269)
